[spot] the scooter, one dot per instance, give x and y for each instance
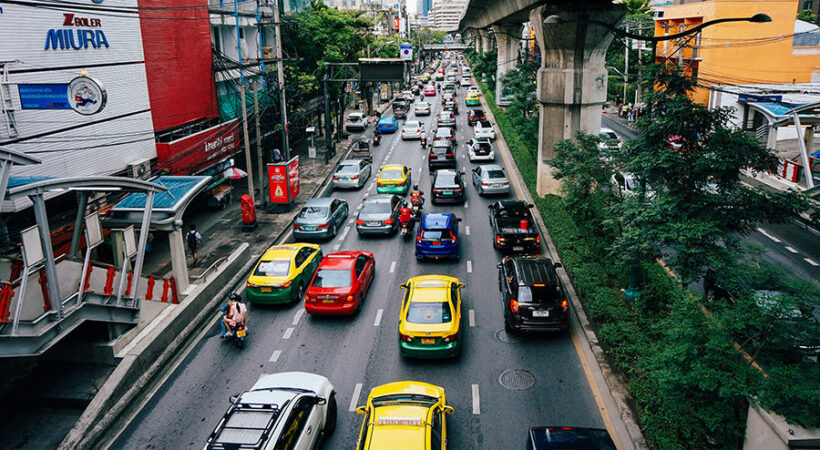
(423, 142)
(416, 208)
(377, 139)
(237, 334)
(406, 229)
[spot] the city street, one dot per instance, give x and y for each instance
(493, 407)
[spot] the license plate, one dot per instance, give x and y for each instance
(496, 184)
(345, 179)
(266, 290)
(540, 313)
(428, 341)
(447, 192)
(518, 248)
(240, 333)
(374, 224)
(327, 301)
(308, 228)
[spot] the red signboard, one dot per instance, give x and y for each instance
(199, 151)
(395, 23)
(283, 179)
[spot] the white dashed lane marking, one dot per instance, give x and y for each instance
(393, 267)
(764, 233)
(378, 318)
(336, 247)
(790, 249)
(811, 261)
(355, 400)
(472, 317)
(467, 230)
(469, 267)
(298, 316)
(275, 356)
(466, 205)
(476, 401)
(344, 233)
(288, 333)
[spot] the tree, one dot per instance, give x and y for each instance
(807, 15)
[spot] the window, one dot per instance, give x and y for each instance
(332, 278)
(429, 313)
(365, 425)
(295, 423)
(436, 429)
(454, 295)
(302, 256)
(279, 268)
(361, 263)
(313, 212)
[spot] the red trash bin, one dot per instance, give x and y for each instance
(248, 212)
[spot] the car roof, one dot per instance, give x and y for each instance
(445, 172)
(319, 201)
(437, 220)
(491, 167)
(393, 167)
(535, 269)
(339, 260)
(280, 252)
(350, 162)
(406, 387)
(567, 438)
(387, 119)
(379, 198)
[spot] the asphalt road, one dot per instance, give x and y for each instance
(361, 352)
(790, 244)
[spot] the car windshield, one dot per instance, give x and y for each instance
(485, 123)
(403, 398)
(313, 212)
(272, 268)
(609, 135)
(495, 173)
(445, 179)
(412, 124)
(477, 113)
(545, 294)
(393, 174)
(429, 313)
(443, 133)
(354, 118)
(348, 169)
(433, 235)
(376, 208)
(386, 120)
(332, 278)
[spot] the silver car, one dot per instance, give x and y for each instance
(320, 218)
(490, 179)
(351, 173)
(413, 129)
(356, 121)
(379, 214)
(422, 109)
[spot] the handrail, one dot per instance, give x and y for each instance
(212, 266)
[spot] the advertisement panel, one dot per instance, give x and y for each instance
(284, 181)
(198, 151)
(293, 178)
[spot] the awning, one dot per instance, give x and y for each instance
(782, 114)
(168, 206)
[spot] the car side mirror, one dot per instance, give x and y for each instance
(557, 265)
(320, 400)
(447, 409)
(461, 286)
(233, 398)
(489, 206)
(530, 206)
(360, 410)
(403, 286)
(498, 265)
(459, 219)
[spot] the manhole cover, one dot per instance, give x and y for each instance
(505, 337)
(516, 380)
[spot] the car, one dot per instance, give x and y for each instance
(422, 109)
(446, 119)
(450, 88)
(490, 179)
(474, 90)
(474, 115)
(412, 129)
(442, 155)
(379, 214)
(465, 81)
(450, 106)
(340, 284)
(480, 149)
(444, 133)
(387, 124)
(430, 317)
(609, 140)
(415, 89)
(408, 412)
(424, 77)
(394, 179)
(408, 96)
(483, 128)
(512, 226)
(471, 99)
(351, 173)
(567, 438)
(282, 273)
(320, 218)
(430, 90)
(356, 121)
(293, 410)
(533, 298)
(447, 97)
(437, 236)
(439, 76)
(447, 186)
(629, 184)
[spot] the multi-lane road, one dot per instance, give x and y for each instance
(499, 386)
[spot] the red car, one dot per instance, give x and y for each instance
(340, 283)
(430, 90)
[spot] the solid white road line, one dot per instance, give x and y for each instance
(288, 333)
(764, 233)
(476, 401)
(472, 317)
(275, 356)
(298, 316)
(811, 261)
(790, 249)
(469, 266)
(393, 267)
(466, 205)
(355, 400)
(378, 318)
(467, 230)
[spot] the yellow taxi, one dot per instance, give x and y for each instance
(405, 415)
(283, 273)
(472, 99)
(393, 179)
(430, 318)
(425, 77)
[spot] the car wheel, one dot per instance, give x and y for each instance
(333, 231)
(300, 293)
(330, 420)
(509, 329)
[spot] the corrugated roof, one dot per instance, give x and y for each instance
(178, 189)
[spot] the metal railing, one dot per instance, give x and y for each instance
(213, 266)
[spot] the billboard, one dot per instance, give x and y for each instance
(283, 179)
(199, 151)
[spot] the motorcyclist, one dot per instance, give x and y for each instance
(235, 312)
(424, 141)
(416, 196)
(406, 217)
(377, 135)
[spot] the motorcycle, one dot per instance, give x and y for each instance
(423, 142)
(377, 139)
(237, 334)
(406, 229)
(416, 207)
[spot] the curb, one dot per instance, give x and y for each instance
(611, 390)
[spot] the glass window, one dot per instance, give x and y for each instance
(435, 432)
(376, 208)
(275, 268)
(445, 179)
(433, 235)
(361, 263)
(295, 423)
(332, 278)
(313, 212)
(496, 173)
(392, 174)
(429, 313)
(348, 169)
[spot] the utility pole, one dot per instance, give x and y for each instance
(626, 66)
(280, 72)
(259, 145)
(251, 190)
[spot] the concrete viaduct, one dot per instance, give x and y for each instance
(572, 79)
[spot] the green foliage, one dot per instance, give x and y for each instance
(793, 391)
(808, 16)
(484, 65)
(584, 173)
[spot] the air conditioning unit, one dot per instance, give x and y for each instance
(140, 169)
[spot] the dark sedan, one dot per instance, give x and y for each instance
(447, 186)
(442, 155)
(320, 218)
(379, 214)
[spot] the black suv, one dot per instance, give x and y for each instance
(474, 115)
(532, 296)
(442, 155)
(447, 186)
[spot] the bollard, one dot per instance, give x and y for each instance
(44, 287)
(150, 293)
(165, 285)
(88, 278)
(128, 287)
(108, 289)
(5, 300)
(174, 291)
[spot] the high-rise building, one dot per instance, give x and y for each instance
(445, 14)
(423, 7)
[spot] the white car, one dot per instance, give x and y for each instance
(474, 90)
(483, 128)
(408, 95)
(628, 184)
(294, 410)
(609, 137)
(422, 109)
(480, 149)
(413, 129)
(356, 121)
(465, 81)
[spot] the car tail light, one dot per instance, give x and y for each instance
(323, 226)
(379, 183)
(354, 177)
(514, 306)
(418, 239)
(506, 183)
(349, 298)
(284, 285)
(336, 177)
(389, 221)
(359, 222)
(450, 338)
(497, 239)
(452, 155)
(437, 191)
(457, 191)
(297, 227)
(452, 237)
(248, 284)
(310, 299)
(405, 338)
(432, 155)
(485, 185)
(418, 131)
(538, 240)
(564, 306)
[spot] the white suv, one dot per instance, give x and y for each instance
(293, 410)
(356, 121)
(483, 128)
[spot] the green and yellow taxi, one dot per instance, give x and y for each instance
(425, 76)
(405, 415)
(430, 318)
(283, 273)
(472, 99)
(394, 179)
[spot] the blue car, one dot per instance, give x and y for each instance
(437, 236)
(388, 124)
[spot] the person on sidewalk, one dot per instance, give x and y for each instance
(629, 114)
(277, 155)
(194, 240)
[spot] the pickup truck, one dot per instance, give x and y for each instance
(513, 226)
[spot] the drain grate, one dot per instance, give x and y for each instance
(516, 380)
(505, 337)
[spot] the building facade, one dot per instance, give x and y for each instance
(445, 14)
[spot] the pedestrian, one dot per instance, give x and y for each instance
(629, 113)
(624, 109)
(635, 112)
(277, 155)
(194, 242)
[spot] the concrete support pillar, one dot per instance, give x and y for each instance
(179, 265)
(486, 43)
(572, 79)
(508, 38)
